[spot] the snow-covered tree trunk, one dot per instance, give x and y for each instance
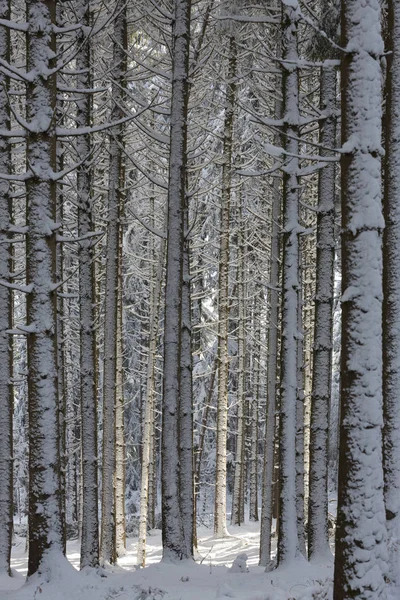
(186, 480)
(253, 410)
(318, 536)
(391, 298)
(238, 484)
(120, 526)
(272, 366)
(87, 302)
(148, 425)
(45, 514)
(6, 389)
(174, 546)
(115, 198)
(288, 542)
(223, 298)
(360, 554)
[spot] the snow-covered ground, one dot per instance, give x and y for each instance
(209, 578)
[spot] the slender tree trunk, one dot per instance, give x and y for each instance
(186, 480)
(115, 195)
(391, 299)
(120, 529)
(300, 419)
(6, 355)
(238, 486)
(288, 541)
(272, 371)
(253, 410)
(45, 512)
(174, 546)
(148, 426)
(223, 299)
(360, 555)
(87, 295)
(318, 534)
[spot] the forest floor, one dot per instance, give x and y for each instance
(208, 578)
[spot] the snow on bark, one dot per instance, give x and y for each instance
(318, 536)
(115, 194)
(6, 389)
(272, 369)
(120, 526)
(174, 544)
(360, 555)
(391, 301)
(288, 542)
(253, 409)
(87, 295)
(45, 513)
(223, 299)
(237, 516)
(186, 476)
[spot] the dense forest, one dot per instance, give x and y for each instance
(200, 286)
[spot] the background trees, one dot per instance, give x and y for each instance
(179, 163)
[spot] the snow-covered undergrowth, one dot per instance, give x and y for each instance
(209, 578)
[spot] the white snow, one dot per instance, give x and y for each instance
(210, 577)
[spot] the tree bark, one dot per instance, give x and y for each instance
(6, 310)
(115, 199)
(174, 545)
(45, 511)
(360, 555)
(87, 295)
(391, 299)
(318, 534)
(288, 541)
(223, 299)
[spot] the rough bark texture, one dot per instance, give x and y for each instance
(87, 294)
(223, 300)
(115, 194)
(186, 479)
(288, 543)
(391, 299)
(120, 529)
(360, 555)
(174, 546)
(237, 516)
(272, 369)
(45, 514)
(318, 537)
(6, 389)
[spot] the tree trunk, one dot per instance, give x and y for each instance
(148, 426)
(186, 480)
(223, 299)
(115, 199)
(253, 409)
(174, 546)
(45, 512)
(268, 485)
(288, 542)
(238, 486)
(120, 528)
(87, 295)
(318, 535)
(300, 418)
(360, 555)
(6, 355)
(391, 301)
